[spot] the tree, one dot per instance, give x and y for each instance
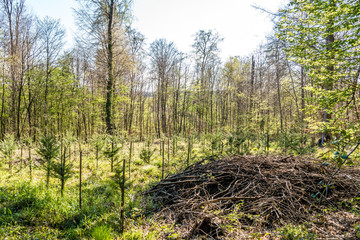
(51, 40)
(205, 49)
(62, 169)
(233, 87)
(322, 36)
(164, 57)
(48, 150)
(112, 150)
(104, 21)
(137, 54)
(98, 142)
(17, 43)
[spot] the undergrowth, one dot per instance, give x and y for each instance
(29, 210)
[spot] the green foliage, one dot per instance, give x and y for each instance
(190, 145)
(101, 233)
(62, 169)
(98, 142)
(118, 175)
(32, 206)
(48, 150)
(134, 235)
(150, 170)
(216, 143)
(112, 149)
(235, 141)
(322, 36)
(357, 228)
(291, 232)
(7, 149)
(147, 152)
(297, 143)
(340, 149)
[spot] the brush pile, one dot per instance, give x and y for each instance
(263, 192)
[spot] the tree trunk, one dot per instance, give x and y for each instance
(110, 80)
(302, 95)
(277, 76)
(122, 212)
(330, 39)
(80, 180)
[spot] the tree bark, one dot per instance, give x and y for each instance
(110, 80)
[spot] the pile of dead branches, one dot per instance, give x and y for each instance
(270, 190)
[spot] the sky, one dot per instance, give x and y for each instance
(243, 27)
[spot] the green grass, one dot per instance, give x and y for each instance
(101, 232)
(28, 210)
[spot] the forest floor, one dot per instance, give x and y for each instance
(233, 197)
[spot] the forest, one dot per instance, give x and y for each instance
(117, 139)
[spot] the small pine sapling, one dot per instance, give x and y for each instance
(48, 150)
(216, 143)
(97, 143)
(112, 150)
(147, 152)
(62, 169)
(235, 141)
(70, 140)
